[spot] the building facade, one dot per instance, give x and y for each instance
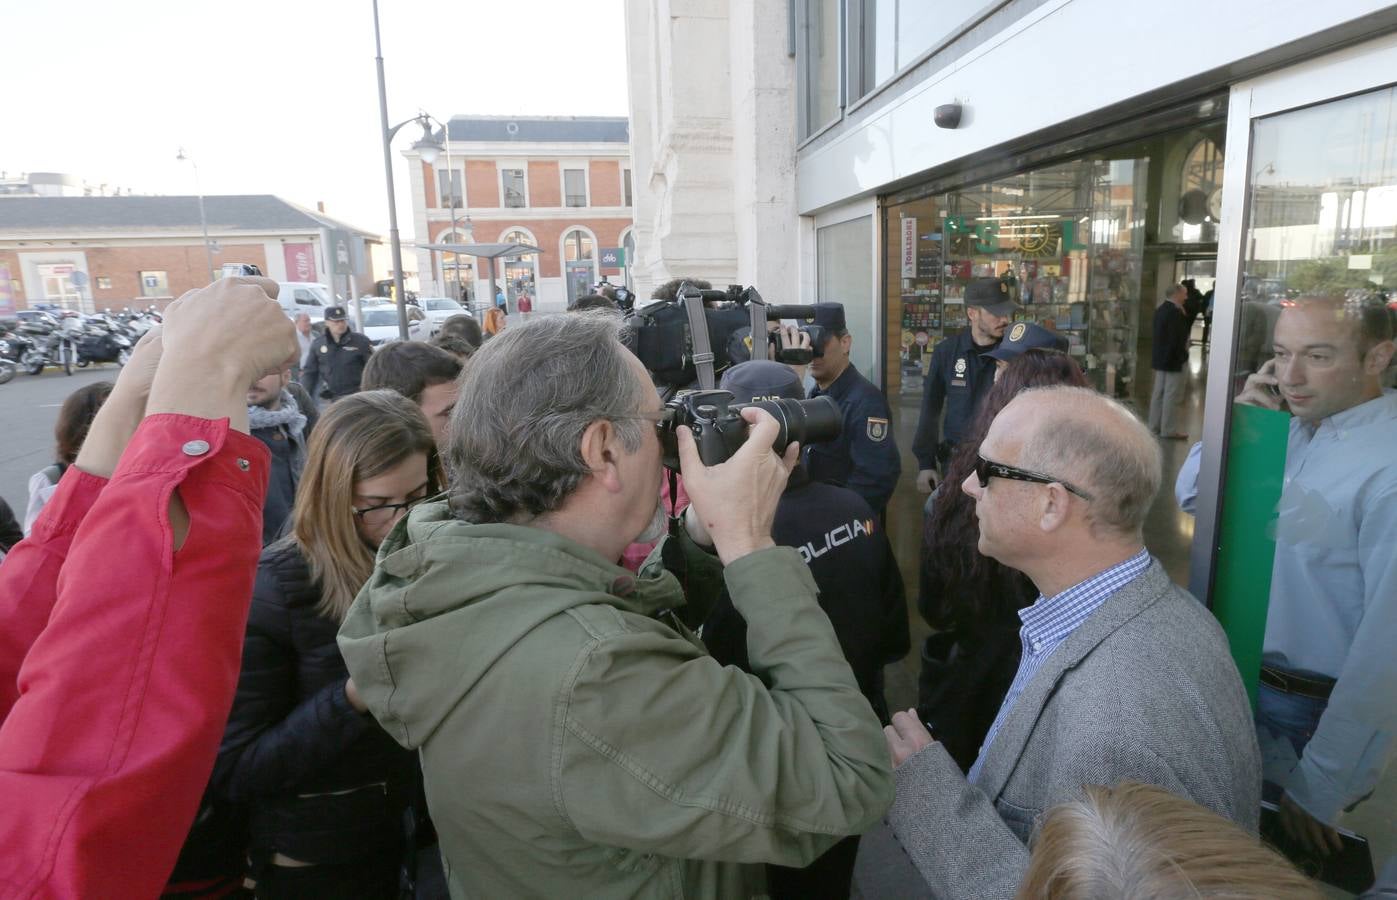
(1089, 153)
(561, 184)
(93, 253)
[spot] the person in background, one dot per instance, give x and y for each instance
(464, 327)
(1122, 674)
(277, 421)
(593, 301)
(74, 419)
(1193, 302)
(325, 787)
(864, 457)
(525, 305)
(959, 375)
(1169, 355)
(122, 614)
(337, 358)
(494, 321)
(460, 348)
(1021, 338)
(860, 590)
(500, 301)
(304, 338)
(1139, 841)
(970, 600)
(426, 375)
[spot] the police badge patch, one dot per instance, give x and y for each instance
(1017, 334)
(960, 366)
(877, 429)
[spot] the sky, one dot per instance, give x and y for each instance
(280, 96)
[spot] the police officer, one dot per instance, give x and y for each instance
(1024, 336)
(335, 363)
(861, 591)
(958, 377)
(864, 457)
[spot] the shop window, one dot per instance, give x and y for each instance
(514, 188)
(1306, 574)
(844, 260)
(579, 263)
(451, 188)
(574, 187)
(520, 272)
(155, 284)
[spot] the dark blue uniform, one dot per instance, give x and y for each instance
(336, 367)
(958, 377)
(864, 457)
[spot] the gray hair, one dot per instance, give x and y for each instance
(526, 398)
(1174, 289)
(1102, 447)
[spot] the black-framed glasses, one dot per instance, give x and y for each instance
(376, 516)
(986, 469)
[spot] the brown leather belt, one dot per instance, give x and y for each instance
(1316, 687)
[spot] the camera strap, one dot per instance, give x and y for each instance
(703, 349)
(757, 311)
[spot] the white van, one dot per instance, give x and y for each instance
(307, 297)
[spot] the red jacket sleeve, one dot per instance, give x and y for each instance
(125, 693)
(29, 575)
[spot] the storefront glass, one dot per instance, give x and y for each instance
(845, 254)
(1306, 578)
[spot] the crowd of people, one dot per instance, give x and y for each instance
(435, 617)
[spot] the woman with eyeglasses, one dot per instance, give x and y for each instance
(971, 601)
(324, 787)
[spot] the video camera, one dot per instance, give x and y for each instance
(701, 333)
(719, 428)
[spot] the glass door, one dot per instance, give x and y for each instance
(1298, 507)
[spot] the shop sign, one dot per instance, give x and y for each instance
(300, 262)
(909, 247)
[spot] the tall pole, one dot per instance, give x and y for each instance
(203, 220)
(400, 298)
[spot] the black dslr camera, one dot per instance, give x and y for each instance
(719, 429)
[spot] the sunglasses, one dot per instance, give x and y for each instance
(985, 470)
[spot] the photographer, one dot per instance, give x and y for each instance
(861, 591)
(575, 738)
(864, 457)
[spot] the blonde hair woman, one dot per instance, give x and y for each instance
(324, 785)
(1140, 842)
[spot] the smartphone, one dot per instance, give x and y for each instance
(1351, 868)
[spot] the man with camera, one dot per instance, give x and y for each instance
(335, 363)
(864, 457)
(958, 377)
(575, 738)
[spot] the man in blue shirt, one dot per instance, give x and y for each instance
(1326, 713)
(864, 457)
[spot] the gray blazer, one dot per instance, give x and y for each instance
(1144, 690)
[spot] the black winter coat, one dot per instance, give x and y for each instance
(1171, 328)
(333, 369)
(321, 783)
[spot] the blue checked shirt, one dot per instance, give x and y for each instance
(1049, 621)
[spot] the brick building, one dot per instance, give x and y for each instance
(562, 184)
(141, 250)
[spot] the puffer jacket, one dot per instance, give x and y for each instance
(576, 741)
(321, 782)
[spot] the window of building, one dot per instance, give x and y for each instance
(626, 187)
(574, 187)
(451, 187)
(104, 283)
(515, 188)
(580, 263)
(819, 64)
(155, 284)
(844, 260)
(520, 272)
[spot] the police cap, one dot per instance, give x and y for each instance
(1023, 336)
(761, 379)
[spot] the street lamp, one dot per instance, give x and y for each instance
(426, 146)
(203, 221)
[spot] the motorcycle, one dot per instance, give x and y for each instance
(55, 343)
(103, 340)
(13, 348)
(7, 367)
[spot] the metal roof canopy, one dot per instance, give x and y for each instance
(483, 251)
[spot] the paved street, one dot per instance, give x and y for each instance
(28, 409)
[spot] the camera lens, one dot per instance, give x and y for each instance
(805, 421)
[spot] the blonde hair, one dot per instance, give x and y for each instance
(361, 436)
(1140, 842)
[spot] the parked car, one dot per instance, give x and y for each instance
(381, 324)
(439, 309)
(309, 297)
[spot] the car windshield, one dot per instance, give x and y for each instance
(443, 303)
(373, 317)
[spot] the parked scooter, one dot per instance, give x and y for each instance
(55, 342)
(103, 340)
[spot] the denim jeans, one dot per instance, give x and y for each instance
(1286, 718)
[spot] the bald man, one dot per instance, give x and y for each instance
(1124, 675)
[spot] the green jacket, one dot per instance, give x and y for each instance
(577, 742)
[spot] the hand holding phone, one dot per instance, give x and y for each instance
(1263, 388)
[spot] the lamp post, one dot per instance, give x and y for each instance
(426, 146)
(203, 221)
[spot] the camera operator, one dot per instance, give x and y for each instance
(575, 739)
(864, 457)
(861, 591)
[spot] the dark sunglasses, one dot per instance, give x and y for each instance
(985, 470)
